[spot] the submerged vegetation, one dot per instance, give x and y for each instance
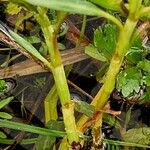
(121, 44)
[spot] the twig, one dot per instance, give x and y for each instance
(80, 90)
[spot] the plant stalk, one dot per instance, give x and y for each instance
(121, 49)
(59, 76)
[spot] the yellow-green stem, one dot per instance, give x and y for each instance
(59, 76)
(145, 11)
(121, 49)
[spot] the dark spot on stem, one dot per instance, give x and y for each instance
(75, 146)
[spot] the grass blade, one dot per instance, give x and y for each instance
(6, 101)
(23, 142)
(22, 42)
(30, 128)
(121, 143)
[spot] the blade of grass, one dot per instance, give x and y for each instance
(21, 41)
(121, 143)
(30, 128)
(23, 142)
(6, 101)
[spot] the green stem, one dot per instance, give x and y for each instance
(121, 49)
(144, 12)
(115, 64)
(111, 18)
(59, 76)
(82, 29)
(134, 6)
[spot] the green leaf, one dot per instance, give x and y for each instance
(13, 9)
(30, 128)
(93, 52)
(135, 53)
(127, 117)
(137, 41)
(43, 49)
(20, 20)
(111, 120)
(147, 79)
(2, 85)
(105, 39)
(134, 56)
(84, 108)
(146, 97)
(5, 115)
(139, 136)
(56, 125)
(27, 45)
(2, 135)
(71, 6)
(101, 72)
(130, 87)
(29, 48)
(146, 2)
(129, 81)
(33, 39)
(75, 6)
(61, 46)
(109, 4)
(6, 101)
(144, 65)
(121, 143)
(46, 142)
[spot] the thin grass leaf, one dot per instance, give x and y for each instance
(23, 142)
(121, 143)
(128, 117)
(21, 41)
(2, 135)
(5, 115)
(30, 128)
(6, 101)
(46, 142)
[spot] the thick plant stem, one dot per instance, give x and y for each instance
(115, 64)
(67, 105)
(59, 76)
(121, 49)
